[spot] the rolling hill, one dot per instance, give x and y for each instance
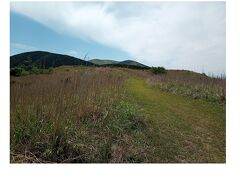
(42, 59)
(131, 62)
(103, 61)
(126, 63)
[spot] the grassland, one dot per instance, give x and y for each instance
(117, 115)
(182, 129)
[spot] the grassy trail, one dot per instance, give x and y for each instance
(180, 129)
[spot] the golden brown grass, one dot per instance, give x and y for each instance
(188, 83)
(52, 115)
(101, 115)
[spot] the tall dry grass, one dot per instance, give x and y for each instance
(195, 85)
(62, 117)
(83, 115)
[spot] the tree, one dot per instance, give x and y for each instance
(18, 71)
(158, 70)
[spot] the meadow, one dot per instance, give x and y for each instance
(117, 115)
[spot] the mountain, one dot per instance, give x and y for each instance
(103, 61)
(112, 63)
(42, 59)
(131, 62)
(125, 66)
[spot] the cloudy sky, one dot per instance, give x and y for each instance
(176, 35)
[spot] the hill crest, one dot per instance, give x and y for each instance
(44, 59)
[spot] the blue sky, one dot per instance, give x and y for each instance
(176, 35)
(29, 35)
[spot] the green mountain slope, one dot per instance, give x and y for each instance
(112, 63)
(103, 61)
(131, 62)
(44, 59)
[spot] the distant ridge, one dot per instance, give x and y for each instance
(113, 63)
(103, 61)
(43, 59)
(131, 62)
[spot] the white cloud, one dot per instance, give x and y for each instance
(186, 35)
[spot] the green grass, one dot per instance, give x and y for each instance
(108, 115)
(75, 115)
(180, 129)
(191, 84)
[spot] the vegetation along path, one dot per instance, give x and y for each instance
(180, 129)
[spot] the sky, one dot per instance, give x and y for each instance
(176, 35)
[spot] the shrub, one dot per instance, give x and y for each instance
(26, 70)
(35, 70)
(47, 71)
(158, 70)
(18, 71)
